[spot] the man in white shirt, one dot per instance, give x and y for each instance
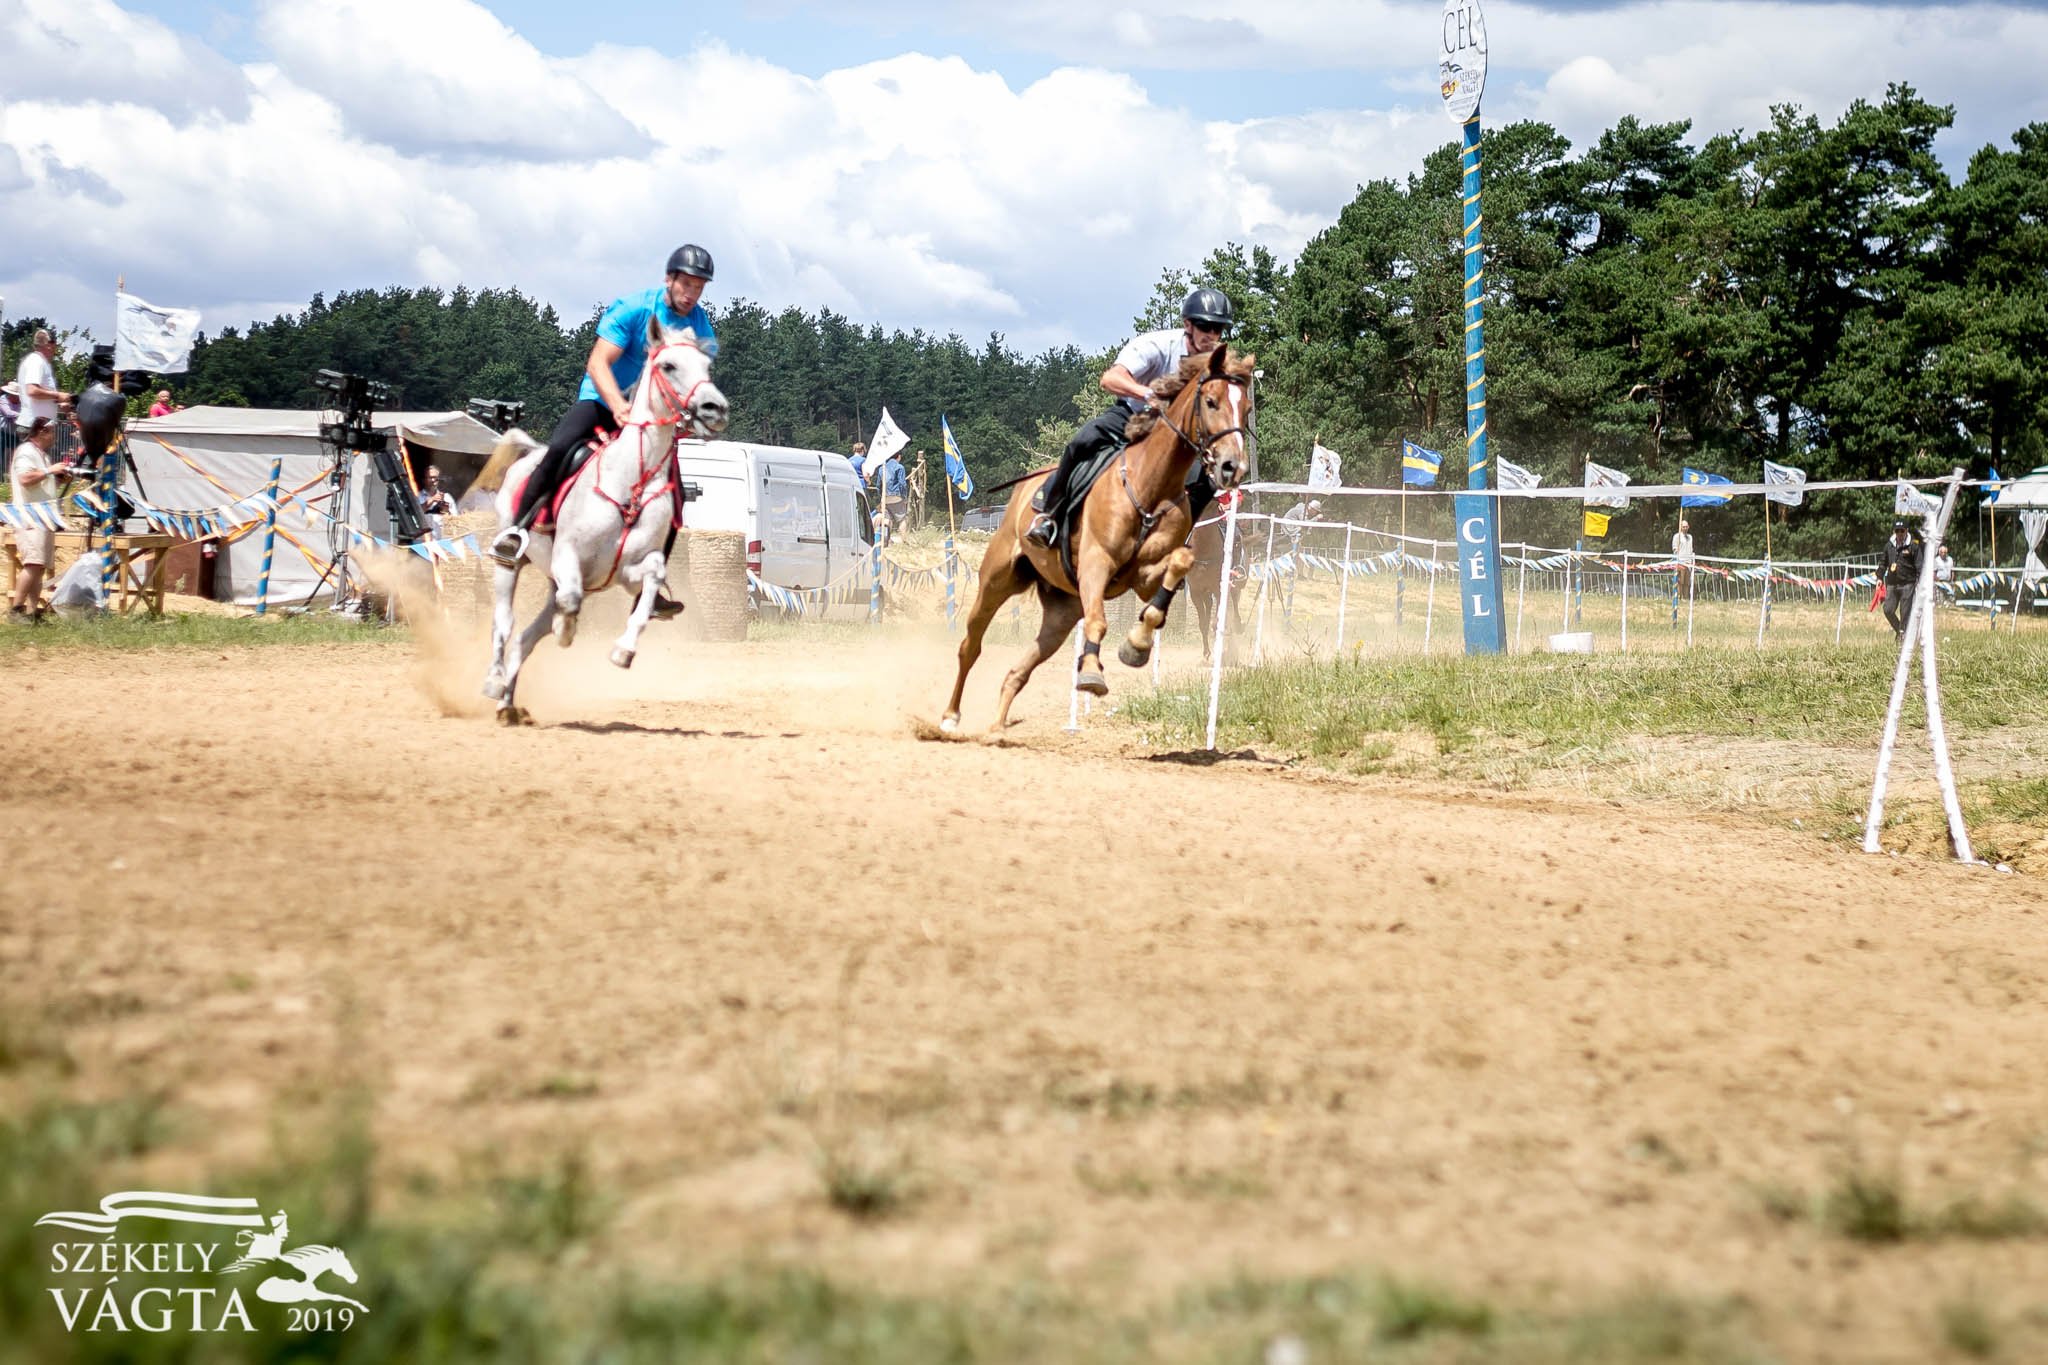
(1945, 574)
(1143, 362)
(36, 381)
(1681, 551)
(34, 478)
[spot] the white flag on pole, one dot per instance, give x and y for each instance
(1325, 467)
(1600, 476)
(1911, 502)
(1792, 481)
(889, 439)
(1513, 476)
(152, 340)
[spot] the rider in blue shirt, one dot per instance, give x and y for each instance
(616, 360)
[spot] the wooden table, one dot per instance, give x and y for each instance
(145, 586)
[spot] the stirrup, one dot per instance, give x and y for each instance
(509, 549)
(1042, 531)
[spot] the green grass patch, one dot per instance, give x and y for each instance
(1875, 1207)
(179, 630)
(1569, 704)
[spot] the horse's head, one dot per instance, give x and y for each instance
(681, 390)
(1218, 412)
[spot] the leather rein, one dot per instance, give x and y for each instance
(641, 495)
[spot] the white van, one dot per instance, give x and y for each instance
(803, 512)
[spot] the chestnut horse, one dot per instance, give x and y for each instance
(1131, 533)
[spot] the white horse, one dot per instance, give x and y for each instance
(614, 516)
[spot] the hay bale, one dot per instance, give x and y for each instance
(710, 574)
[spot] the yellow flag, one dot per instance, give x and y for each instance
(1596, 524)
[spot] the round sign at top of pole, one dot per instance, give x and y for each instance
(1461, 65)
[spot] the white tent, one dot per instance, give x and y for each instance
(2030, 490)
(203, 458)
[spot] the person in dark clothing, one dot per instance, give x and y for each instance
(1144, 361)
(1900, 566)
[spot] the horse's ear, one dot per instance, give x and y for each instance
(1218, 359)
(654, 329)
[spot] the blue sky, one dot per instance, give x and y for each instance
(1027, 169)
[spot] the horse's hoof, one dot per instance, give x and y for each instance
(565, 630)
(622, 657)
(1131, 656)
(1094, 684)
(494, 687)
(513, 715)
(949, 725)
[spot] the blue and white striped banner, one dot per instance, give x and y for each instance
(33, 516)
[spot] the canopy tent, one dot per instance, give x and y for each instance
(2030, 490)
(204, 458)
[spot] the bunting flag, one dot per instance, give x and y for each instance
(33, 516)
(1596, 524)
(1418, 465)
(1325, 467)
(956, 466)
(1600, 476)
(1790, 482)
(1700, 478)
(1514, 478)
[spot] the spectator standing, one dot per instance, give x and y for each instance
(895, 495)
(10, 405)
(1899, 564)
(162, 407)
(34, 477)
(1944, 574)
(36, 382)
(858, 459)
(1312, 510)
(1681, 554)
(434, 501)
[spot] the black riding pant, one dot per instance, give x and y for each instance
(1102, 432)
(578, 424)
(1898, 603)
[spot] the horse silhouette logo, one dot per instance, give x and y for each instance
(311, 1262)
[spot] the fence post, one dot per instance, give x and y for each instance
(269, 535)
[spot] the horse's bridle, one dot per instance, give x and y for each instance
(679, 403)
(1209, 438)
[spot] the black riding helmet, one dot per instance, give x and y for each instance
(691, 259)
(1207, 306)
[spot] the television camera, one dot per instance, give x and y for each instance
(499, 414)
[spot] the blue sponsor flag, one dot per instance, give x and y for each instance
(1700, 478)
(1995, 489)
(956, 468)
(1419, 466)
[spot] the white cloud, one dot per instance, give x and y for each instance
(427, 144)
(95, 50)
(443, 77)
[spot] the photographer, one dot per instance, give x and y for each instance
(35, 479)
(434, 501)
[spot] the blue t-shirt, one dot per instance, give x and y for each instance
(857, 461)
(895, 479)
(624, 325)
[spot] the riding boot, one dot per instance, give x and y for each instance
(1044, 527)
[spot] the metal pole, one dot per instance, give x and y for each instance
(1222, 616)
(1074, 678)
(875, 577)
(1343, 589)
(1692, 596)
(1521, 580)
(1429, 602)
(1265, 591)
(1624, 601)
(1578, 595)
(1842, 604)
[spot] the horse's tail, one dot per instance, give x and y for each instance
(513, 447)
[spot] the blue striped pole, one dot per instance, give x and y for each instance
(875, 583)
(106, 518)
(1478, 546)
(269, 535)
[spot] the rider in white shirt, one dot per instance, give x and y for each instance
(1143, 362)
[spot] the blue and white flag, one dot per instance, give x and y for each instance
(956, 467)
(1418, 465)
(1789, 484)
(1700, 478)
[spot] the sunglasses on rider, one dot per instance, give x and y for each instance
(1214, 329)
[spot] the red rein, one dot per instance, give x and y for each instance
(640, 497)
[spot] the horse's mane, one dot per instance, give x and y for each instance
(301, 1255)
(1192, 367)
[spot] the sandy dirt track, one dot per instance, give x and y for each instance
(1134, 1021)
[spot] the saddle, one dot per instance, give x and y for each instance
(579, 456)
(1067, 515)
